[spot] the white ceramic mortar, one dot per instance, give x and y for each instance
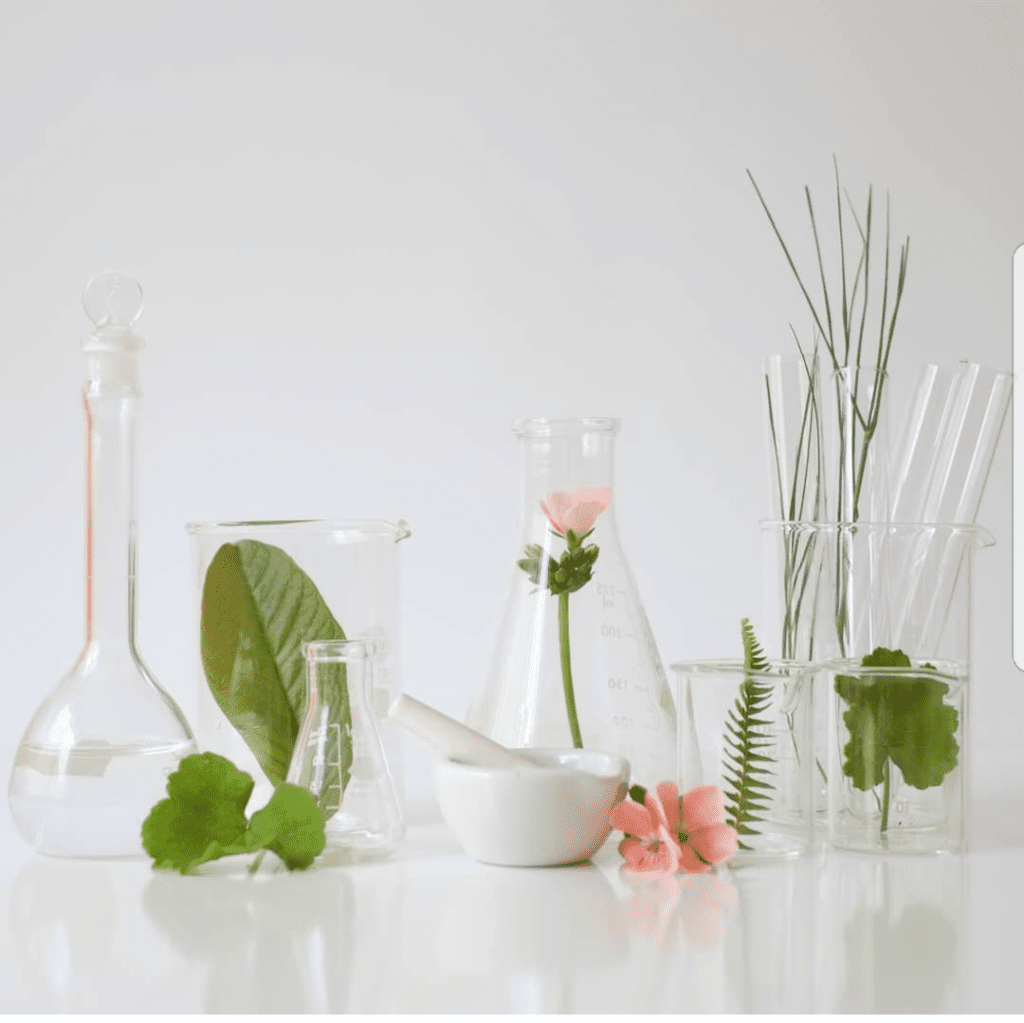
(547, 815)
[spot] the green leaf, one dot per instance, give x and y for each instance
(290, 825)
(743, 768)
(897, 718)
(203, 818)
(205, 807)
(258, 609)
(638, 794)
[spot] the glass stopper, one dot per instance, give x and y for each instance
(112, 297)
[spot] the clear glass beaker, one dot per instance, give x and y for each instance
(750, 733)
(903, 586)
(897, 776)
(95, 756)
(339, 756)
(576, 663)
(313, 580)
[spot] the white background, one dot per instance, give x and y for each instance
(371, 234)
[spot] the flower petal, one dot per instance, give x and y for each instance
(658, 816)
(595, 495)
(689, 862)
(702, 807)
(633, 819)
(555, 506)
(637, 855)
(717, 843)
(581, 517)
(646, 859)
(668, 796)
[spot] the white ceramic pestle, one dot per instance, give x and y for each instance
(452, 739)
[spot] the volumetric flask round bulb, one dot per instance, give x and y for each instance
(339, 755)
(96, 754)
(575, 663)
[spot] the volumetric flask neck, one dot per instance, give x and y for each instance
(96, 754)
(339, 755)
(575, 663)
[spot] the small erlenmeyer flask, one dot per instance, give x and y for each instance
(344, 766)
(576, 663)
(96, 754)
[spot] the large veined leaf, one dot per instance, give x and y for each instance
(258, 609)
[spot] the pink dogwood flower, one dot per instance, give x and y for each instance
(578, 511)
(668, 834)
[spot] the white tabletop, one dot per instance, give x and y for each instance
(433, 931)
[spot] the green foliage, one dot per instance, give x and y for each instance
(258, 609)
(291, 825)
(747, 788)
(753, 656)
(899, 719)
(638, 794)
(567, 575)
(203, 818)
(842, 319)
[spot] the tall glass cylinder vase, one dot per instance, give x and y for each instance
(576, 663)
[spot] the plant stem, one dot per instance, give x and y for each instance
(885, 797)
(563, 642)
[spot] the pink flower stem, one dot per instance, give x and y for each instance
(563, 641)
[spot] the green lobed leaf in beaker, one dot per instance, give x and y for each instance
(897, 718)
(258, 609)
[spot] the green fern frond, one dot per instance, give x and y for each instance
(744, 770)
(753, 656)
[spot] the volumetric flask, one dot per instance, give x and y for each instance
(339, 755)
(576, 663)
(96, 754)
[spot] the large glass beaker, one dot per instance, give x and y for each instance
(96, 755)
(264, 590)
(576, 663)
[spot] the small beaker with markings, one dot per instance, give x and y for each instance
(339, 755)
(749, 732)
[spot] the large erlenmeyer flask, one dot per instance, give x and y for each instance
(96, 754)
(576, 663)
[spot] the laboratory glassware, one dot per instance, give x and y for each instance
(903, 586)
(799, 619)
(96, 754)
(906, 587)
(575, 663)
(897, 763)
(945, 452)
(354, 565)
(750, 733)
(794, 437)
(856, 411)
(344, 764)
